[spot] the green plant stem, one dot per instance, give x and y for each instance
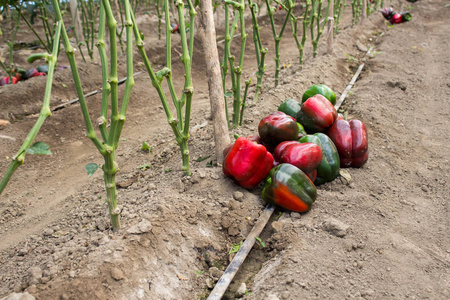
(260, 51)
(106, 90)
(244, 100)
(159, 14)
(19, 158)
(277, 37)
(226, 54)
(315, 16)
(34, 31)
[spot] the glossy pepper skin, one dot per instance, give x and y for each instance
(350, 138)
(247, 163)
(276, 128)
(316, 114)
(328, 170)
(5, 81)
(251, 138)
(290, 107)
(305, 156)
(290, 188)
(320, 89)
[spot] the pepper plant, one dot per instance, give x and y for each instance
(9, 69)
(305, 23)
(356, 11)
(107, 145)
(339, 6)
(89, 14)
(180, 124)
(260, 51)
(277, 37)
(19, 158)
(316, 15)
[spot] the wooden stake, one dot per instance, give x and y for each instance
(233, 267)
(216, 93)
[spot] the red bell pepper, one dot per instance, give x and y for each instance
(276, 128)
(247, 163)
(251, 138)
(316, 114)
(5, 81)
(305, 156)
(350, 138)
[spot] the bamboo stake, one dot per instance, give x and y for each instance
(233, 267)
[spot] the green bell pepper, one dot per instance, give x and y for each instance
(290, 107)
(328, 169)
(321, 89)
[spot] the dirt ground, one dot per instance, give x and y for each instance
(383, 235)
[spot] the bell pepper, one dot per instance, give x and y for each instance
(290, 107)
(276, 128)
(320, 89)
(251, 138)
(247, 163)
(350, 138)
(328, 170)
(306, 156)
(5, 81)
(289, 187)
(31, 73)
(387, 13)
(43, 68)
(316, 114)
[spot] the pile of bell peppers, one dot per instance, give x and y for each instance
(300, 146)
(20, 74)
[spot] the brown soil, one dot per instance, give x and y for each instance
(55, 237)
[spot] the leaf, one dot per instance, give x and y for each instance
(144, 167)
(235, 248)
(209, 164)
(146, 146)
(64, 85)
(229, 94)
(91, 168)
(346, 175)
(198, 273)
(39, 148)
(167, 170)
(202, 158)
(263, 245)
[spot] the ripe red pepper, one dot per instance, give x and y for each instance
(276, 128)
(5, 81)
(251, 138)
(247, 163)
(288, 187)
(305, 156)
(316, 114)
(350, 138)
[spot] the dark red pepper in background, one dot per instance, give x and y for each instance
(350, 138)
(247, 163)
(276, 128)
(5, 81)
(305, 156)
(316, 114)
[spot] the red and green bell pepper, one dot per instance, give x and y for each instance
(320, 89)
(289, 187)
(328, 170)
(350, 138)
(248, 163)
(316, 114)
(276, 128)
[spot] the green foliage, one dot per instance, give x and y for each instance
(39, 148)
(261, 243)
(91, 168)
(235, 248)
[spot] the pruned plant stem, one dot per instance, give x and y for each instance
(247, 83)
(180, 128)
(19, 158)
(330, 25)
(108, 146)
(260, 51)
(338, 11)
(316, 15)
(277, 37)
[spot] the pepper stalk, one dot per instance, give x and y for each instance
(305, 23)
(110, 139)
(260, 51)
(179, 125)
(277, 37)
(316, 16)
(19, 158)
